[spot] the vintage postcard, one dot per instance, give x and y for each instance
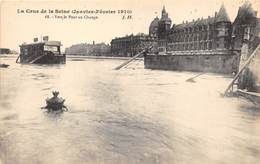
(130, 82)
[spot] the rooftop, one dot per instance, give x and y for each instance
(50, 43)
(222, 15)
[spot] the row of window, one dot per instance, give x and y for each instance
(191, 37)
(130, 44)
(197, 36)
(198, 46)
(31, 49)
(192, 46)
(194, 29)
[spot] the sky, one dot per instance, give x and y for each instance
(17, 27)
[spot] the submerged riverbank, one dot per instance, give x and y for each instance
(79, 57)
(100, 57)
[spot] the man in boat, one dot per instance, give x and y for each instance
(55, 103)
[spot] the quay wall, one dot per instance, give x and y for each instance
(215, 63)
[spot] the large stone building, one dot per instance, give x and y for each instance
(212, 33)
(245, 39)
(212, 44)
(207, 35)
(245, 28)
(130, 45)
(85, 49)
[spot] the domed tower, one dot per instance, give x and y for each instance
(153, 28)
(164, 25)
(222, 29)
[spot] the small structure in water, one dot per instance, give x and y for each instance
(5, 51)
(46, 52)
(4, 65)
(55, 103)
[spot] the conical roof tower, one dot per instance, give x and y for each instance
(222, 15)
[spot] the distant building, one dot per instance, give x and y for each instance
(160, 28)
(245, 38)
(5, 51)
(132, 44)
(210, 33)
(246, 28)
(212, 44)
(164, 26)
(214, 33)
(153, 28)
(95, 49)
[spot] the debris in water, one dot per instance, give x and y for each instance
(192, 78)
(4, 65)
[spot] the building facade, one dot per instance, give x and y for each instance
(85, 49)
(212, 44)
(129, 46)
(5, 51)
(153, 28)
(212, 33)
(205, 35)
(164, 25)
(245, 39)
(160, 28)
(245, 27)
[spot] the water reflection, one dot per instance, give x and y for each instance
(127, 116)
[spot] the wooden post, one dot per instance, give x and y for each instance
(34, 60)
(17, 58)
(133, 58)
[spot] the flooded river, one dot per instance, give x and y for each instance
(128, 116)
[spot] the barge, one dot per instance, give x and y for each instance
(47, 52)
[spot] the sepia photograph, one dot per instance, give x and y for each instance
(130, 82)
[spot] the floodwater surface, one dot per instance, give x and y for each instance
(129, 116)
